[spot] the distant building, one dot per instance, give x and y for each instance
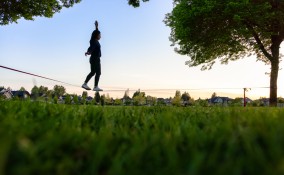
(164, 101)
(6, 93)
(247, 100)
(264, 101)
(221, 101)
(127, 100)
(89, 99)
(21, 94)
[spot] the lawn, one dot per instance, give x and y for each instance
(41, 138)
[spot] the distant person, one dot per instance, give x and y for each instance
(95, 51)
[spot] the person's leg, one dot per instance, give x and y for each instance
(97, 79)
(98, 74)
(91, 74)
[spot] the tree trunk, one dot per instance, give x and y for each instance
(274, 72)
(273, 83)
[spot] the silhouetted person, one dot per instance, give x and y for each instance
(95, 51)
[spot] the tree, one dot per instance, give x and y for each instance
(151, 100)
(75, 99)
(55, 99)
(12, 10)
(135, 3)
(97, 97)
(177, 98)
(214, 95)
(84, 94)
(186, 98)
(43, 90)
(108, 100)
(207, 30)
(35, 92)
(102, 100)
(22, 89)
(59, 90)
(126, 94)
(139, 98)
(137, 93)
(117, 101)
(202, 103)
(68, 99)
(84, 97)
(49, 94)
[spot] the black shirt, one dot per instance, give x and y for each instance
(95, 47)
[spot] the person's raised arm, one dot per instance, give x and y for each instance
(97, 25)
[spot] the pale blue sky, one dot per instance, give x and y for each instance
(136, 53)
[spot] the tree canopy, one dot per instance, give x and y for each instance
(210, 30)
(136, 3)
(12, 10)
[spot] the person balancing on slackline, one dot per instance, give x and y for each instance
(95, 51)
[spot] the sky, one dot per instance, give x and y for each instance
(136, 54)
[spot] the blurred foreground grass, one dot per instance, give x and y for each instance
(39, 138)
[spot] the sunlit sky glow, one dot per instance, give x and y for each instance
(136, 54)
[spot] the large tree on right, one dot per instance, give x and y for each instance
(210, 30)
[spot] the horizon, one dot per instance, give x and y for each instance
(194, 93)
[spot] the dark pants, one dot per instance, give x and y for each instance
(95, 70)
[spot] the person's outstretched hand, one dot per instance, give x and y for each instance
(87, 53)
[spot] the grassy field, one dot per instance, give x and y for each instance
(39, 138)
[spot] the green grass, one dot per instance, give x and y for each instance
(39, 138)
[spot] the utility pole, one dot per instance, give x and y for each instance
(245, 90)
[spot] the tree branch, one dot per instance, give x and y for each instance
(258, 41)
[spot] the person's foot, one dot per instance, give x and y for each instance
(85, 86)
(97, 89)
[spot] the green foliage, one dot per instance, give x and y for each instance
(43, 90)
(35, 91)
(97, 97)
(280, 100)
(139, 98)
(152, 101)
(85, 94)
(237, 102)
(137, 93)
(176, 101)
(67, 99)
(185, 96)
(42, 138)
(210, 30)
(59, 90)
(12, 10)
(136, 3)
(201, 103)
(117, 102)
(55, 99)
(22, 89)
(75, 99)
(187, 100)
(214, 95)
(108, 100)
(103, 100)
